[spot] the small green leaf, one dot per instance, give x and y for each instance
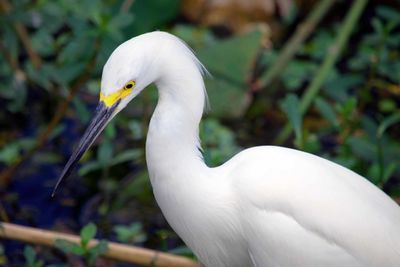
(386, 123)
(105, 152)
(183, 251)
(30, 255)
(130, 233)
(373, 173)
(326, 111)
(389, 13)
(127, 155)
(97, 250)
(82, 110)
(64, 245)
(230, 61)
(389, 170)
(87, 233)
(291, 106)
(78, 250)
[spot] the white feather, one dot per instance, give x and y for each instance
(267, 206)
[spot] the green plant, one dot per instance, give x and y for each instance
(132, 233)
(218, 142)
(83, 249)
(3, 257)
(30, 257)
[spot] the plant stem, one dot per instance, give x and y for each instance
(303, 30)
(331, 57)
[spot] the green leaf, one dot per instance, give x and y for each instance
(339, 86)
(64, 245)
(218, 140)
(138, 188)
(105, 152)
(291, 106)
(151, 15)
(130, 233)
(47, 157)
(78, 250)
(387, 105)
(362, 148)
(347, 108)
(136, 128)
(89, 167)
(230, 63)
(195, 37)
(87, 233)
(9, 153)
(385, 124)
(30, 255)
(378, 26)
(82, 110)
(389, 13)
(97, 250)
(389, 170)
(183, 251)
(326, 111)
(373, 173)
(117, 23)
(297, 72)
(127, 155)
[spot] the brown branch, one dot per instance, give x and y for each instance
(115, 251)
(5, 175)
(23, 36)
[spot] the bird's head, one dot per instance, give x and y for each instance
(130, 68)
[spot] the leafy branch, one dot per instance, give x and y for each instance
(294, 43)
(331, 57)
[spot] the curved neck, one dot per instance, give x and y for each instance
(172, 146)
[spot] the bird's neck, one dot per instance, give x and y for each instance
(172, 146)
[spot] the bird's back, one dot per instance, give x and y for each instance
(301, 210)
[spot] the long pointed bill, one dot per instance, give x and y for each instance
(101, 117)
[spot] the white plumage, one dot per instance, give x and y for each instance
(267, 206)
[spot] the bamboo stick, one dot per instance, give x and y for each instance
(118, 252)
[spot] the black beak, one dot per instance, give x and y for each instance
(100, 119)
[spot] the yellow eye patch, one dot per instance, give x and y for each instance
(110, 100)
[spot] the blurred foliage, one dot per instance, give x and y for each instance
(30, 257)
(354, 120)
(89, 254)
(132, 233)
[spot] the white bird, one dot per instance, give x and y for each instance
(267, 206)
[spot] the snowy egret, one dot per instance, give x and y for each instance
(268, 205)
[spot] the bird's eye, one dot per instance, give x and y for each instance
(129, 85)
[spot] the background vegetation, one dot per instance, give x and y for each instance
(332, 76)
